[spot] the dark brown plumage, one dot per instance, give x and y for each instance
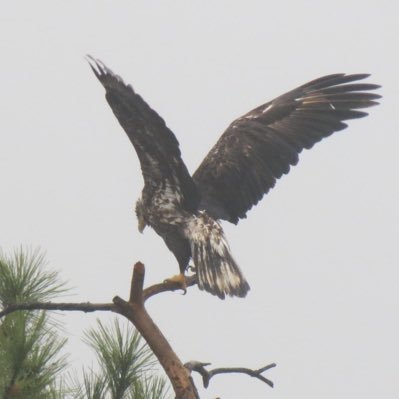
(254, 151)
(259, 147)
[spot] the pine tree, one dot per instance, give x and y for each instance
(126, 366)
(31, 361)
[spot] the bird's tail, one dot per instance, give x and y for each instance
(217, 272)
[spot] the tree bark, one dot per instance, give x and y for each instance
(135, 311)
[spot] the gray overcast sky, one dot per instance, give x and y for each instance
(320, 251)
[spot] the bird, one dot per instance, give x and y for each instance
(254, 151)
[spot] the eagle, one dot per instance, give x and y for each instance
(254, 151)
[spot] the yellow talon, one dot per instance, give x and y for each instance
(180, 280)
(192, 268)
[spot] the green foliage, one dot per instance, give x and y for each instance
(154, 387)
(29, 344)
(126, 366)
(30, 362)
(23, 278)
(29, 355)
(94, 386)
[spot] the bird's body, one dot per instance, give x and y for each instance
(254, 151)
(189, 233)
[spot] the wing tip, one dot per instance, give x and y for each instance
(95, 64)
(358, 76)
(338, 79)
(362, 76)
(101, 71)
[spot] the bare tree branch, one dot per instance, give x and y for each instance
(134, 310)
(168, 285)
(68, 306)
(87, 307)
(136, 285)
(199, 367)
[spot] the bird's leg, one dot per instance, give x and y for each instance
(180, 280)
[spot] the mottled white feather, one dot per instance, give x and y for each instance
(217, 271)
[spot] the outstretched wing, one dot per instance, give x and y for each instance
(260, 147)
(155, 145)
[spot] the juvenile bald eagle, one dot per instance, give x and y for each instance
(254, 151)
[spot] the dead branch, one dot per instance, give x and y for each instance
(199, 367)
(136, 313)
(167, 285)
(134, 310)
(87, 307)
(80, 307)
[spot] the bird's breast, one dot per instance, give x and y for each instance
(163, 210)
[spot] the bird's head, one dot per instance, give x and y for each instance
(142, 223)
